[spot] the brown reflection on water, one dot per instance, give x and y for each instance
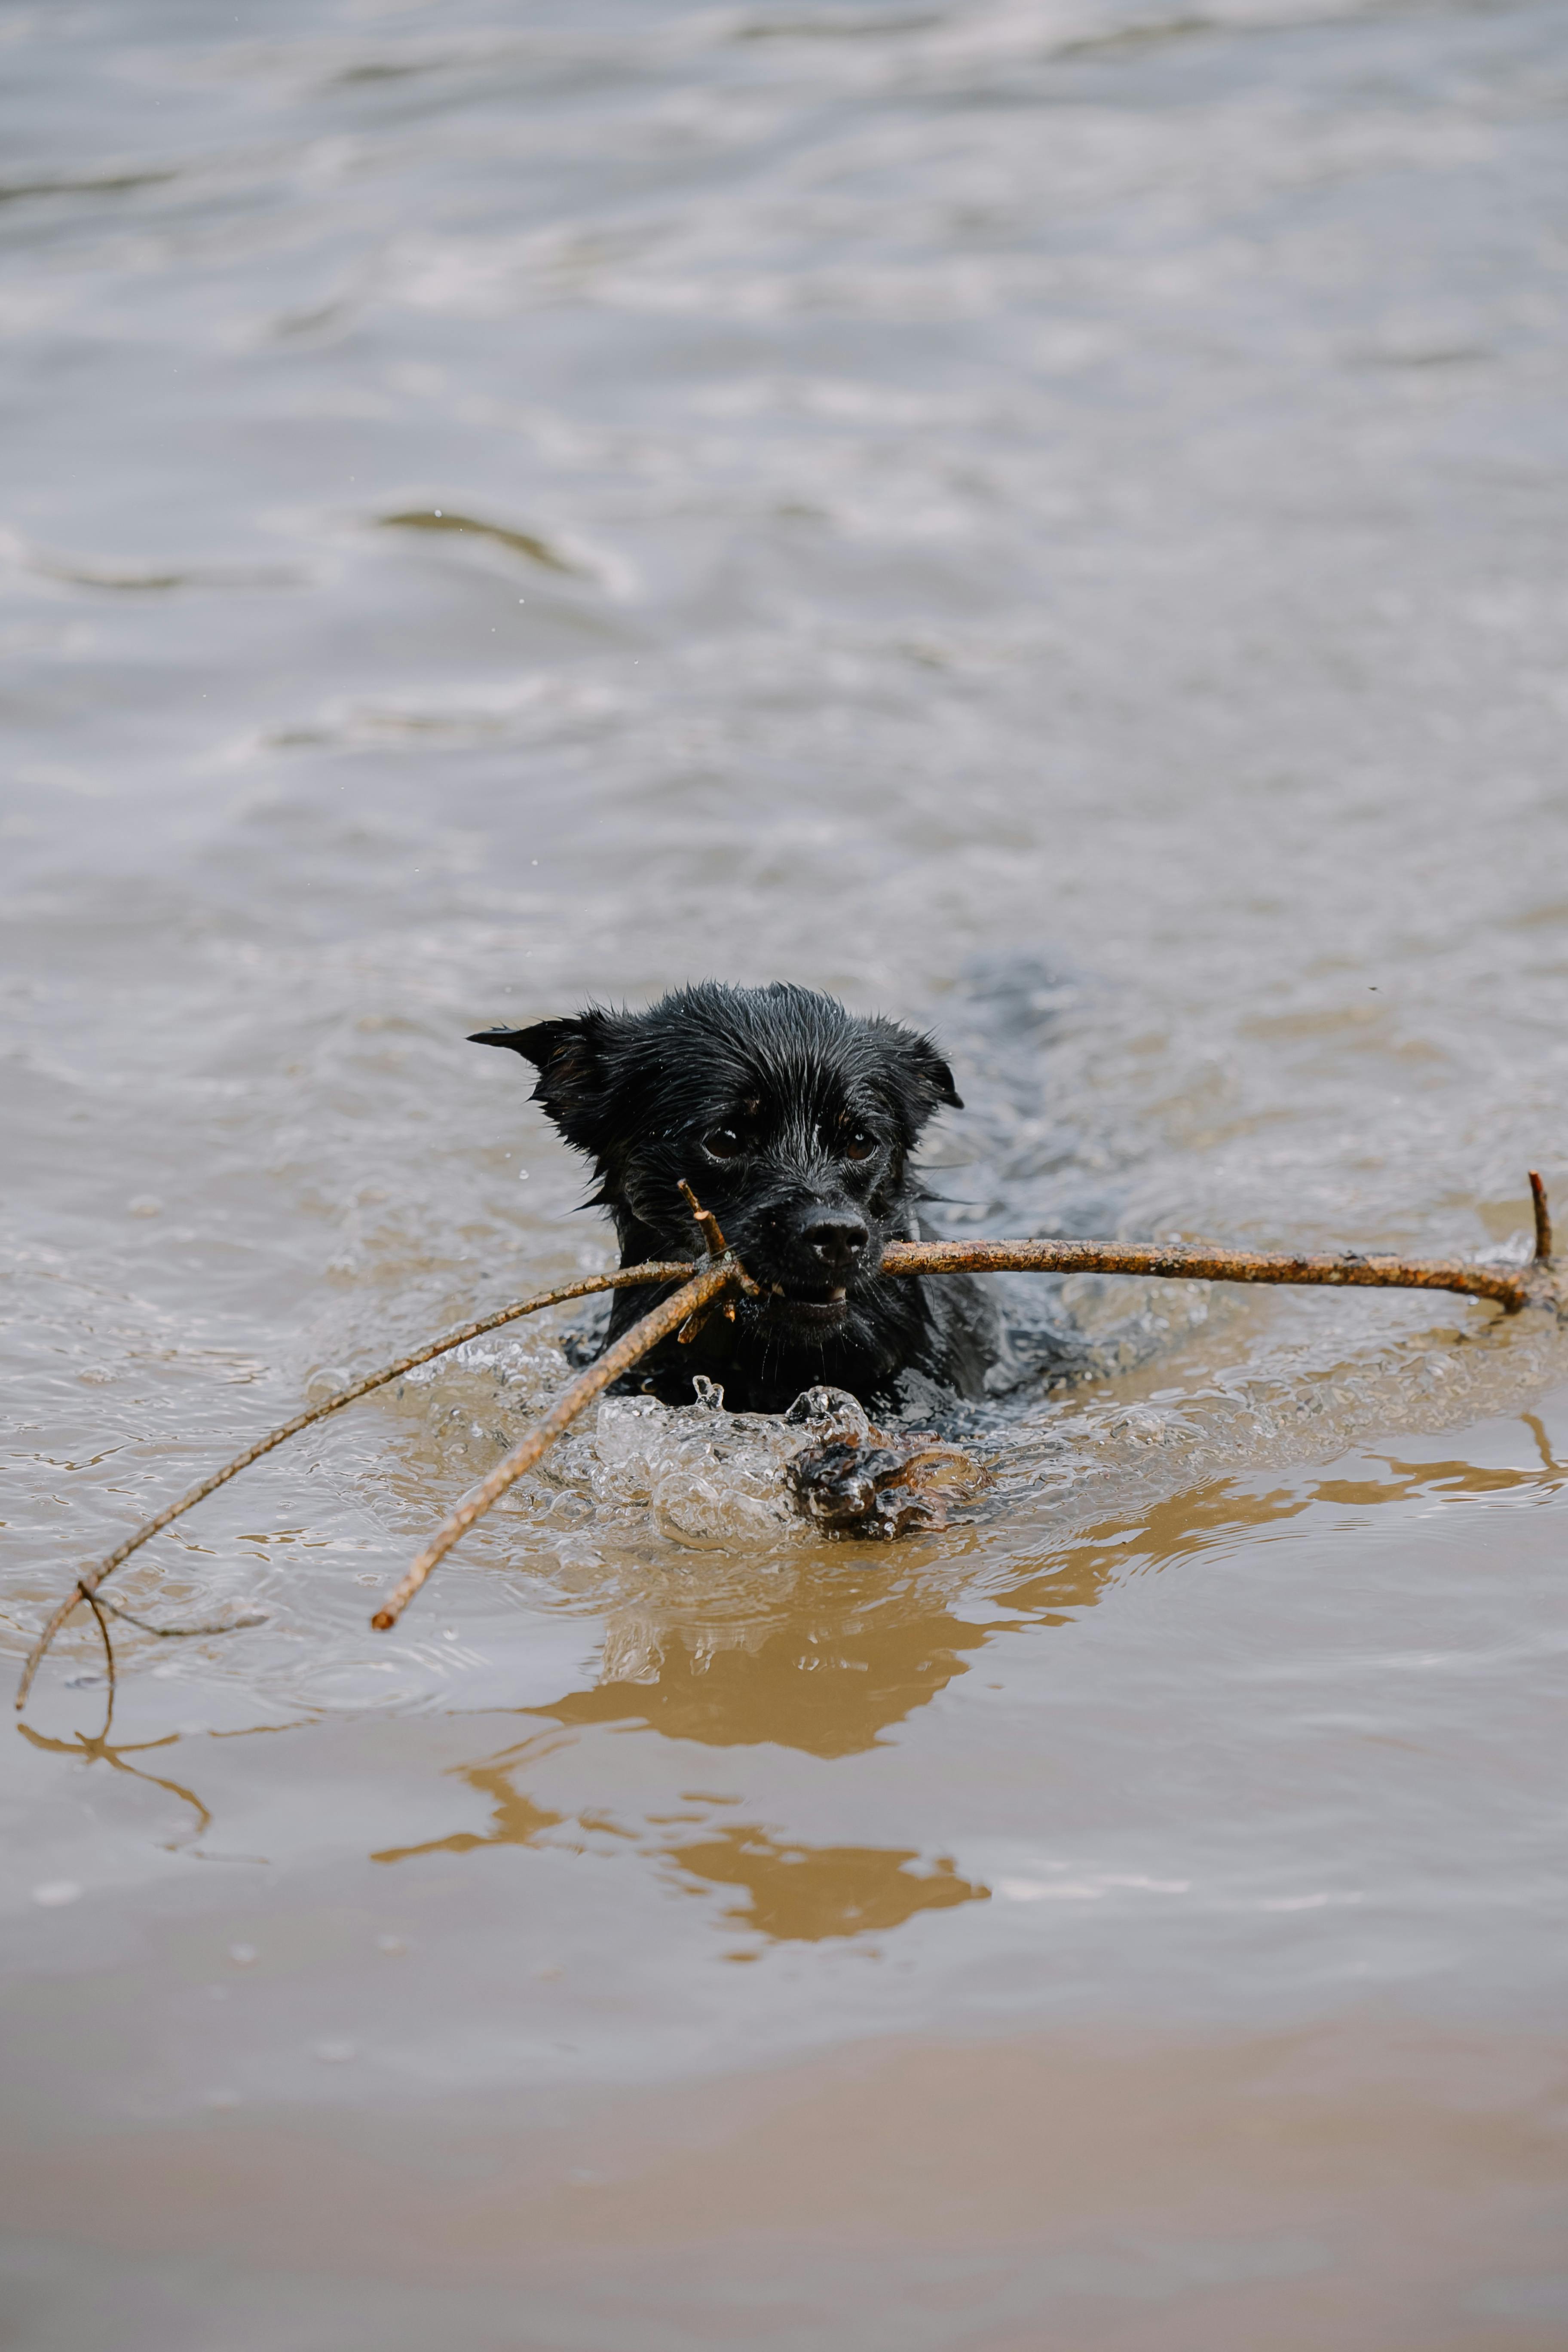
(830, 1673)
(97, 1749)
(803, 1893)
(516, 1821)
(826, 1681)
(829, 1680)
(1195, 1521)
(1443, 1480)
(1182, 1524)
(794, 1891)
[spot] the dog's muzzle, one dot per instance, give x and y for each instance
(782, 1306)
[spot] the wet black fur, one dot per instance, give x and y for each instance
(802, 1086)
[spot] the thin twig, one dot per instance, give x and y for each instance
(82, 1589)
(1542, 1218)
(666, 1317)
(97, 1608)
(177, 1632)
(1512, 1287)
(707, 1223)
(88, 1581)
(713, 1234)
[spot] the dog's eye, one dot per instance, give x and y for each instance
(722, 1144)
(859, 1145)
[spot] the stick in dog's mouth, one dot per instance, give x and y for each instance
(797, 1122)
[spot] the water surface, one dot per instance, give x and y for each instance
(1044, 516)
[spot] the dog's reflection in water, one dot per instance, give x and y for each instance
(828, 1673)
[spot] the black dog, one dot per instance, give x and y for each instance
(793, 1122)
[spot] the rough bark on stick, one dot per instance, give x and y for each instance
(1542, 1217)
(1511, 1286)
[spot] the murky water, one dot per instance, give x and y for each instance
(1042, 516)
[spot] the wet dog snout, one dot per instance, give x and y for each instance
(836, 1237)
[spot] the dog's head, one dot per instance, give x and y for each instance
(790, 1119)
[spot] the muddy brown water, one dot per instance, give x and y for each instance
(1042, 516)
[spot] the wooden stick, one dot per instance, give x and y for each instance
(685, 1311)
(707, 1223)
(1512, 1287)
(718, 1247)
(712, 1233)
(665, 1318)
(88, 1581)
(1542, 1218)
(97, 1608)
(176, 1632)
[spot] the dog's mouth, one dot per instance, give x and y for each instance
(817, 1312)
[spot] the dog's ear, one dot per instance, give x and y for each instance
(568, 1057)
(913, 1076)
(536, 1045)
(935, 1073)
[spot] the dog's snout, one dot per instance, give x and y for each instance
(836, 1238)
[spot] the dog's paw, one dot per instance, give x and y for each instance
(849, 1487)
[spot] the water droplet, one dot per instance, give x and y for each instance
(242, 1955)
(522, 1175)
(392, 1944)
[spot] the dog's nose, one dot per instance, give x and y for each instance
(836, 1237)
